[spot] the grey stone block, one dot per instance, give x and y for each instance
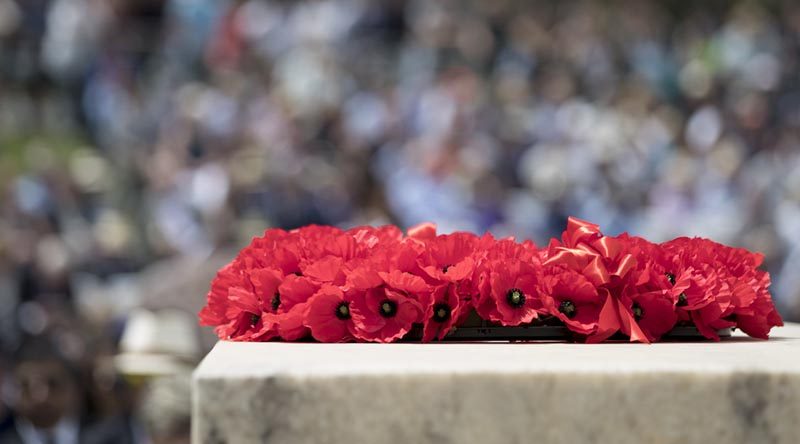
(740, 390)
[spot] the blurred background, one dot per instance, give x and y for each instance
(142, 142)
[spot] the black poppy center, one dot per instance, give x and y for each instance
(637, 311)
(682, 300)
(515, 297)
(441, 312)
(445, 268)
(254, 319)
(671, 278)
(388, 308)
(276, 301)
(568, 308)
(343, 310)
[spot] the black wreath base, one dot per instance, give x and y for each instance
(546, 329)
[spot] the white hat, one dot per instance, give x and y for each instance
(158, 343)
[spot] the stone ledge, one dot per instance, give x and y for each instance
(737, 391)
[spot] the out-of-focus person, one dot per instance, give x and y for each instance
(48, 403)
(165, 409)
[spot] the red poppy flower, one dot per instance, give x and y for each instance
(315, 242)
(292, 306)
(387, 312)
(213, 314)
(314, 233)
(711, 318)
(276, 249)
(404, 282)
(371, 237)
(292, 323)
(329, 315)
(652, 270)
(444, 309)
(346, 247)
(328, 269)
(423, 231)
(265, 283)
(572, 299)
(692, 289)
(261, 302)
(764, 316)
(403, 256)
(237, 304)
(510, 293)
(653, 312)
(448, 258)
(495, 250)
(753, 309)
(384, 315)
(248, 319)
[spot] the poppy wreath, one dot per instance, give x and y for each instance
(375, 284)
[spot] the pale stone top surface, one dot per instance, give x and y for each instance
(779, 354)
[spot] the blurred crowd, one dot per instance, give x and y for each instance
(142, 141)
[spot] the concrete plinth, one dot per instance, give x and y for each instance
(740, 390)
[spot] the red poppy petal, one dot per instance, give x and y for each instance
(291, 326)
(608, 322)
(425, 230)
(404, 281)
(295, 290)
(243, 300)
(363, 278)
(365, 315)
(326, 269)
(629, 325)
